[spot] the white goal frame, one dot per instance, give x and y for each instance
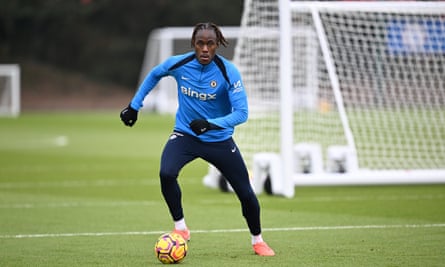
(10, 90)
(280, 167)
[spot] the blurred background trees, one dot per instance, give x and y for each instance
(102, 39)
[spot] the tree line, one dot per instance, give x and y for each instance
(104, 39)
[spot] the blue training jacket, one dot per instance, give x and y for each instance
(204, 92)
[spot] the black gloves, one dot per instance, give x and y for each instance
(129, 116)
(200, 126)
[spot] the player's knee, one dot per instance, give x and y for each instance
(249, 199)
(167, 175)
(244, 192)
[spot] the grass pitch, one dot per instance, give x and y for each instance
(80, 189)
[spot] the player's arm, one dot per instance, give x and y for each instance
(238, 100)
(129, 115)
(147, 85)
(239, 114)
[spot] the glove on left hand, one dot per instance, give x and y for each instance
(200, 126)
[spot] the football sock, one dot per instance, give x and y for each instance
(257, 239)
(180, 225)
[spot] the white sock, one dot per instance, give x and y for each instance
(180, 225)
(257, 239)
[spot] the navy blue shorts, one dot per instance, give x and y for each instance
(225, 156)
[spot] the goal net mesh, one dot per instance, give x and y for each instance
(390, 69)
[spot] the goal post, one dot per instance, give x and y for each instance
(342, 92)
(9, 90)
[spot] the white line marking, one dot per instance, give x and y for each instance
(285, 229)
(209, 202)
(73, 184)
(78, 204)
(377, 198)
(81, 183)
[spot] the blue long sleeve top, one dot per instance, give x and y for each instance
(203, 93)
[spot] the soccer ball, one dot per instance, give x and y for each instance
(170, 248)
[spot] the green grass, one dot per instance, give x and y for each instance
(80, 189)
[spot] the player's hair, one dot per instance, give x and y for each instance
(220, 39)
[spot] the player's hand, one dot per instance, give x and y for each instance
(199, 126)
(129, 116)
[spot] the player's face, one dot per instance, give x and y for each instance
(205, 46)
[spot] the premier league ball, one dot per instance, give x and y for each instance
(171, 248)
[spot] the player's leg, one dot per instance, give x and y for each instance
(227, 158)
(174, 156)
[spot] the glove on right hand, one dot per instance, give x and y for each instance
(129, 116)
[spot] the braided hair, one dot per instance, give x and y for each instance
(220, 39)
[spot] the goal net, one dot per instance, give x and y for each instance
(343, 92)
(9, 90)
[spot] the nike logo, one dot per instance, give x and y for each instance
(203, 130)
(184, 78)
(175, 135)
(233, 150)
